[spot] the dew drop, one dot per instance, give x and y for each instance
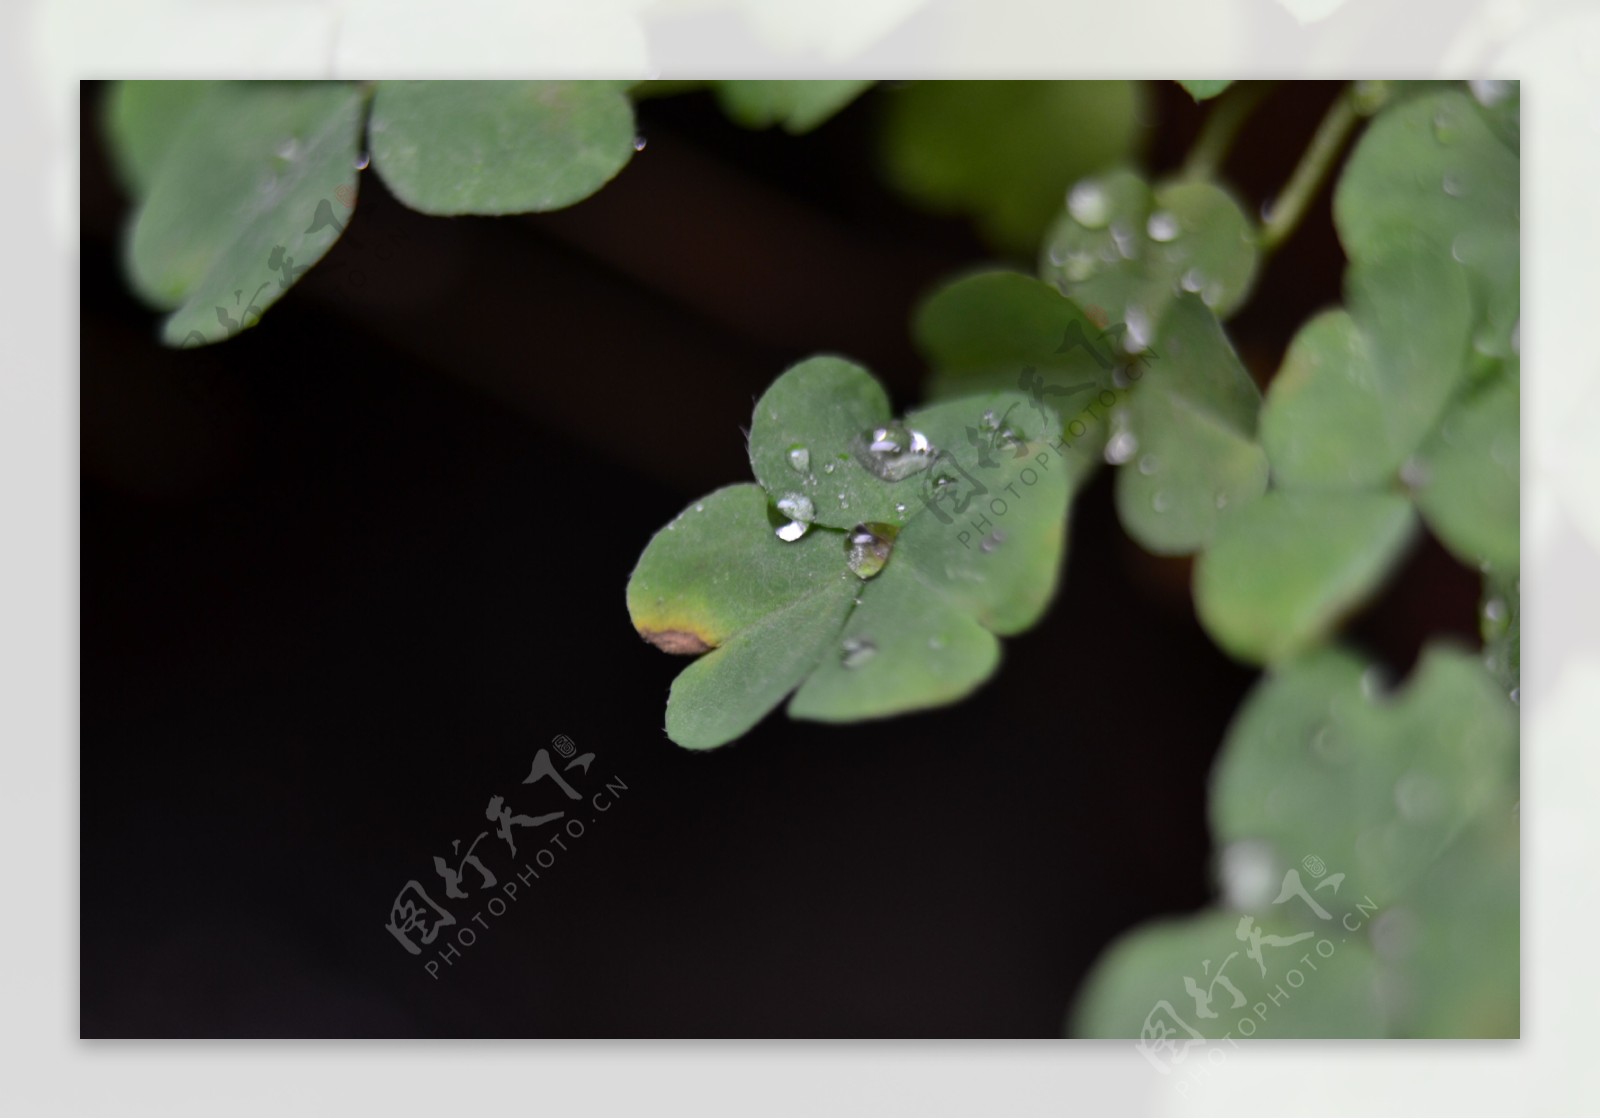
(1148, 464)
(1414, 473)
(827, 468)
(699, 508)
(1088, 204)
(1490, 94)
(867, 548)
(936, 643)
(1162, 226)
(638, 143)
(1122, 237)
(363, 161)
(1453, 186)
(1159, 501)
(992, 541)
(793, 531)
(1249, 872)
(289, 149)
(1137, 320)
(857, 651)
(797, 507)
(1516, 696)
(1122, 444)
(799, 458)
(894, 452)
(1079, 267)
(1192, 280)
(1494, 609)
(1419, 797)
(1222, 499)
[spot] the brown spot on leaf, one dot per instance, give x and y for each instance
(675, 640)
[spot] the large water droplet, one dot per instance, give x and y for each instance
(793, 531)
(868, 547)
(797, 507)
(1089, 205)
(1162, 226)
(857, 651)
(894, 452)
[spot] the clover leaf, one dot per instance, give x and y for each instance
(1205, 90)
(1367, 842)
(1132, 251)
(453, 147)
(797, 106)
(246, 195)
(1004, 152)
(900, 610)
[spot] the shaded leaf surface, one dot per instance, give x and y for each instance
(142, 119)
(797, 106)
(499, 147)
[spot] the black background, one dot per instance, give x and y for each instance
(344, 574)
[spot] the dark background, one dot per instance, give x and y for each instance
(343, 575)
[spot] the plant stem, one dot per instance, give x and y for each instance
(1306, 180)
(1221, 125)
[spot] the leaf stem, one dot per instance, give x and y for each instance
(1221, 125)
(1305, 182)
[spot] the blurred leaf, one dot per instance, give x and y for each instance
(1432, 170)
(964, 547)
(1144, 987)
(1466, 477)
(1204, 91)
(497, 147)
(798, 106)
(252, 191)
(1188, 440)
(1283, 570)
(1360, 389)
(1453, 950)
(1132, 251)
(1004, 152)
(142, 118)
(1375, 787)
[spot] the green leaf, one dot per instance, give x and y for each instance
(1004, 152)
(1360, 389)
(1377, 787)
(1205, 90)
(973, 543)
(142, 119)
(1132, 251)
(1187, 438)
(499, 147)
(251, 191)
(1282, 571)
(1466, 477)
(718, 578)
(1500, 621)
(1432, 171)
(1141, 988)
(798, 106)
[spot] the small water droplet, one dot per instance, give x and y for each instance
(857, 651)
(899, 507)
(1122, 238)
(1222, 499)
(992, 541)
(1249, 872)
(793, 531)
(989, 421)
(1079, 267)
(1372, 682)
(1444, 126)
(1516, 337)
(1453, 185)
(638, 143)
(1458, 248)
(797, 507)
(867, 548)
(936, 643)
(1088, 204)
(1122, 444)
(1494, 609)
(699, 508)
(1192, 280)
(1137, 320)
(363, 161)
(894, 452)
(1148, 464)
(799, 458)
(827, 468)
(1162, 226)
(1212, 293)
(289, 149)
(1516, 696)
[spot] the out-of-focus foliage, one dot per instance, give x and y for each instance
(846, 576)
(797, 106)
(1003, 153)
(1205, 90)
(1368, 869)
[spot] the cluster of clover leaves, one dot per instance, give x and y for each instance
(873, 564)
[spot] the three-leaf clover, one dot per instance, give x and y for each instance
(871, 570)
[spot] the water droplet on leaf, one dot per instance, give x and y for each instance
(894, 452)
(799, 458)
(1162, 226)
(857, 651)
(797, 507)
(1088, 205)
(868, 547)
